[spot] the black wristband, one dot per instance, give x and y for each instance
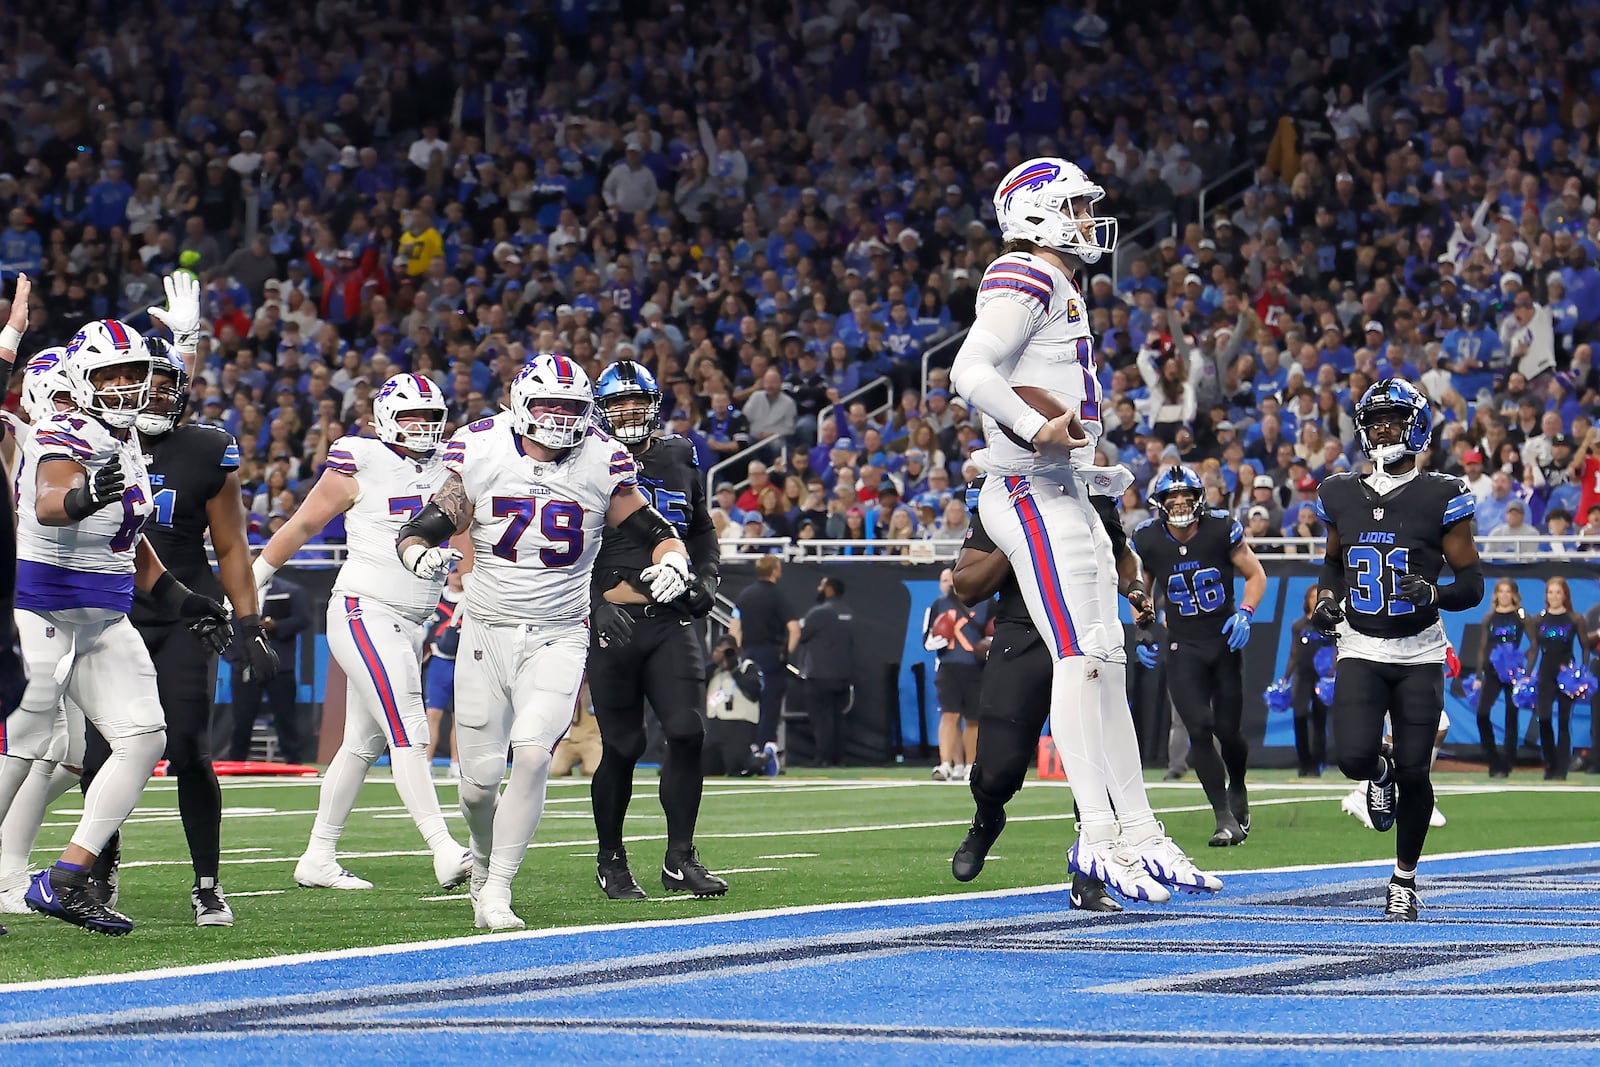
(170, 593)
(77, 504)
(431, 524)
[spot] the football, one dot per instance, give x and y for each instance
(1041, 400)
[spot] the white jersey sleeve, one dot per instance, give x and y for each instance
(87, 564)
(392, 488)
(536, 526)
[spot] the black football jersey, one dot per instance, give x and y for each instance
(1195, 577)
(1385, 536)
(669, 477)
(188, 467)
(1009, 609)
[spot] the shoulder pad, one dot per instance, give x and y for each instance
(1015, 275)
(1145, 524)
(344, 455)
(1217, 513)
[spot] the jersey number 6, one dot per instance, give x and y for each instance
(560, 521)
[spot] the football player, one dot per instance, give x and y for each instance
(194, 474)
(1032, 329)
(1191, 556)
(534, 486)
(1014, 699)
(85, 499)
(13, 674)
(377, 621)
(1389, 535)
(640, 650)
(44, 392)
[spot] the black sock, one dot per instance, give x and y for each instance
(200, 807)
(1413, 809)
(610, 790)
(682, 780)
(108, 859)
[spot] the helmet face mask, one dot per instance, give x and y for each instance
(108, 372)
(628, 401)
(1051, 202)
(169, 391)
(1393, 420)
(552, 403)
(1182, 506)
(1177, 494)
(409, 413)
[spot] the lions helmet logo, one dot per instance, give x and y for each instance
(1035, 177)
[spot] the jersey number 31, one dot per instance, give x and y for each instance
(1375, 588)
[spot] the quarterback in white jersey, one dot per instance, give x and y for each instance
(534, 487)
(81, 512)
(1032, 330)
(377, 620)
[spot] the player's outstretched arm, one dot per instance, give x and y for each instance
(668, 573)
(225, 517)
(447, 514)
(204, 616)
(16, 324)
(333, 495)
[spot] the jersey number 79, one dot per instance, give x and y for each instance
(560, 521)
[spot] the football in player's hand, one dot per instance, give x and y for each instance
(1045, 403)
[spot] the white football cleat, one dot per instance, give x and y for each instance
(12, 889)
(1171, 866)
(452, 869)
(491, 910)
(324, 872)
(1437, 819)
(1355, 805)
(1119, 867)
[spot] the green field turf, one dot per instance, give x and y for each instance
(800, 839)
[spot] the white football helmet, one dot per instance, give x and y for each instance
(1050, 202)
(101, 344)
(409, 394)
(43, 381)
(552, 401)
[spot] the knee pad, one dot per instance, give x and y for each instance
(996, 785)
(476, 795)
(1357, 767)
(141, 749)
(367, 749)
(481, 774)
(629, 747)
(691, 741)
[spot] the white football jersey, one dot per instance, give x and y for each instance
(88, 564)
(535, 526)
(393, 487)
(1059, 355)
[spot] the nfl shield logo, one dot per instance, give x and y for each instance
(1377, 513)
(477, 653)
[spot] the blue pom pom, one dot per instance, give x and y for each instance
(1507, 660)
(1574, 682)
(1525, 694)
(1325, 690)
(1279, 696)
(1472, 685)
(1323, 661)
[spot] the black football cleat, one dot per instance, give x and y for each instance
(103, 873)
(967, 863)
(1239, 804)
(1382, 799)
(1403, 901)
(614, 877)
(1091, 894)
(1228, 833)
(65, 895)
(682, 872)
(210, 905)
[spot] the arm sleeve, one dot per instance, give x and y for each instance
(1002, 329)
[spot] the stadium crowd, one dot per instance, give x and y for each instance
(774, 207)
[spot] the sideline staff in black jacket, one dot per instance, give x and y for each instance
(824, 662)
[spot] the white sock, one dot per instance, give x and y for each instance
(518, 817)
(43, 785)
(1409, 876)
(341, 785)
(1075, 726)
(413, 778)
(117, 788)
(1119, 747)
(478, 804)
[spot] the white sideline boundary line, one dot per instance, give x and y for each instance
(294, 959)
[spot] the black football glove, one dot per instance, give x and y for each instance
(701, 597)
(612, 625)
(1326, 616)
(207, 619)
(102, 489)
(258, 661)
(1144, 612)
(1417, 590)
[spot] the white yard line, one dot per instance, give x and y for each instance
(230, 966)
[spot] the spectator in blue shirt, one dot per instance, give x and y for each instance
(108, 198)
(21, 251)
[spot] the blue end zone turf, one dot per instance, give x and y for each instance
(1283, 967)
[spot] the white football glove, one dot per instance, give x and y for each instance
(668, 579)
(429, 564)
(182, 313)
(262, 572)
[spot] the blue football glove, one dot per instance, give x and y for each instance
(1237, 630)
(1149, 655)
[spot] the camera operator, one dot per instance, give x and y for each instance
(733, 710)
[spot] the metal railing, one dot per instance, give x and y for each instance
(845, 401)
(1527, 548)
(743, 456)
(1118, 254)
(934, 356)
(1248, 165)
